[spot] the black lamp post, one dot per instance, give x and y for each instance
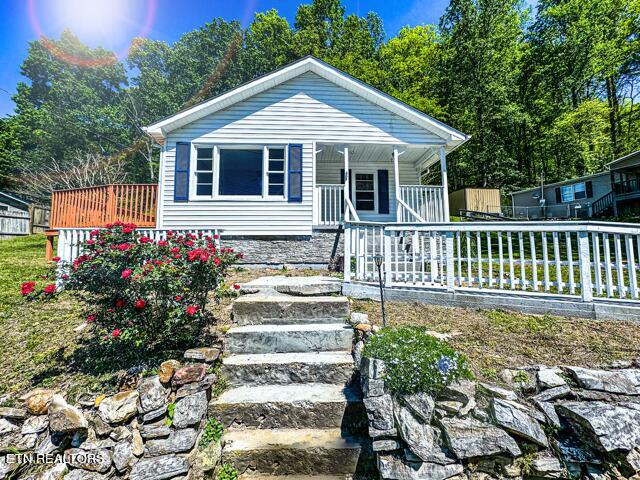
(379, 259)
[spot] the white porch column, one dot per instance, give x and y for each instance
(396, 182)
(445, 186)
(347, 181)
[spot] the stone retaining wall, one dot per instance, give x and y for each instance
(152, 431)
(314, 251)
(551, 423)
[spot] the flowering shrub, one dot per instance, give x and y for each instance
(416, 361)
(139, 291)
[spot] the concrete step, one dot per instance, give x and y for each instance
(284, 309)
(287, 452)
(289, 338)
(309, 405)
(314, 285)
(287, 368)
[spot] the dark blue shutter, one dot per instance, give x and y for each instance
(295, 173)
(181, 177)
(383, 191)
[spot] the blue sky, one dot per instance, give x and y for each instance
(113, 23)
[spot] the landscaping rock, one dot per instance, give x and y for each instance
(98, 425)
(84, 475)
(196, 387)
(120, 433)
(372, 368)
(154, 414)
(137, 445)
(152, 394)
(57, 472)
(469, 438)
(463, 391)
(380, 412)
(119, 407)
(357, 318)
(626, 382)
(206, 460)
(123, 457)
(516, 421)
(385, 445)
(156, 430)
(189, 374)
(392, 467)
(554, 393)
(167, 369)
(450, 406)
(549, 411)
(357, 353)
(7, 426)
(608, 426)
(177, 442)
(13, 413)
(64, 418)
(372, 387)
(93, 461)
(203, 354)
(159, 468)
(37, 401)
(35, 424)
(190, 410)
(419, 436)
(549, 378)
(421, 404)
(497, 392)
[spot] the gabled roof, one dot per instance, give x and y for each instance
(14, 200)
(159, 130)
(622, 159)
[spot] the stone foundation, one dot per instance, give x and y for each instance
(319, 250)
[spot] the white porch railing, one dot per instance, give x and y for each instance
(576, 259)
(425, 200)
(328, 205)
(70, 240)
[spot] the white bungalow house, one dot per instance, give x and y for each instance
(279, 163)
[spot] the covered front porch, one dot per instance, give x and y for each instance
(378, 183)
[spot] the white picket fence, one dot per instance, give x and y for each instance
(70, 240)
(577, 259)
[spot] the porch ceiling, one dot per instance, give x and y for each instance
(361, 153)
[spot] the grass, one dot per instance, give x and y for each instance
(39, 341)
(493, 339)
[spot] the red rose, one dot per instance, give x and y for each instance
(140, 304)
(65, 277)
(126, 273)
(115, 333)
(120, 303)
(191, 310)
(162, 243)
(27, 287)
(56, 259)
(216, 261)
(90, 242)
(90, 318)
(127, 230)
(236, 286)
(49, 289)
(178, 298)
(216, 236)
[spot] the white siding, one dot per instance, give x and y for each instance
(305, 109)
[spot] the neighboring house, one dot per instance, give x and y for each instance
(21, 216)
(607, 193)
(279, 163)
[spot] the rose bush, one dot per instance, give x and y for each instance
(140, 291)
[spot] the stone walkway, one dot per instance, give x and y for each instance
(290, 412)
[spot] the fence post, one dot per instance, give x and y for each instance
(585, 266)
(388, 274)
(451, 274)
(347, 253)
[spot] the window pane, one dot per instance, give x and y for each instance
(567, 193)
(240, 172)
(579, 191)
(276, 178)
(580, 194)
(204, 178)
(276, 189)
(205, 152)
(276, 153)
(204, 189)
(364, 204)
(204, 164)
(364, 195)
(276, 165)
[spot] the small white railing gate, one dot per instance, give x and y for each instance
(425, 200)
(578, 259)
(328, 205)
(70, 240)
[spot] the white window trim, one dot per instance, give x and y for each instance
(216, 173)
(354, 171)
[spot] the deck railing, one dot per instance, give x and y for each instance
(329, 205)
(585, 260)
(96, 206)
(71, 240)
(425, 200)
